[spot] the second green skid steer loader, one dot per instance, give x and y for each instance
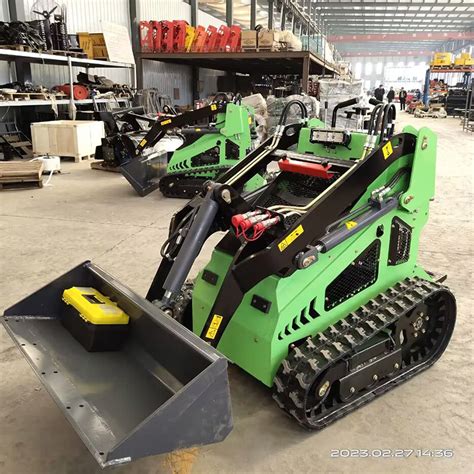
(315, 290)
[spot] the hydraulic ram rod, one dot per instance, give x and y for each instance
(191, 247)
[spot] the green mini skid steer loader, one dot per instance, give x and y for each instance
(206, 152)
(315, 290)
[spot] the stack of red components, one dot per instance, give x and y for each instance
(170, 37)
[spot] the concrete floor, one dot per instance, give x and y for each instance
(95, 215)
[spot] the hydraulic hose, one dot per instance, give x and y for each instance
(388, 122)
(284, 114)
(342, 105)
(372, 120)
(374, 101)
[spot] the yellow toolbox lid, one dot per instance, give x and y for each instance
(93, 306)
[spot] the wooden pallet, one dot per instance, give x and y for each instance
(99, 165)
(73, 54)
(20, 96)
(21, 174)
(17, 47)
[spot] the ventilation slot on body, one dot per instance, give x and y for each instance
(306, 315)
(400, 240)
(360, 274)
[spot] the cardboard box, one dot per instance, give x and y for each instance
(100, 52)
(249, 39)
(97, 39)
(85, 43)
(268, 39)
(443, 59)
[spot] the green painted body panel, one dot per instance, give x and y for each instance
(353, 151)
(234, 125)
(258, 342)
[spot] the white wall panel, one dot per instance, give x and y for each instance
(167, 77)
(164, 10)
(84, 15)
(205, 19)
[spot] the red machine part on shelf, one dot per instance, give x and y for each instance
(179, 36)
(233, 44)
(211, 39)
(157, 36)
(167, 36)
(199, 40)
(223, 36)
(146, 36)
(79, 91)
(303, 167)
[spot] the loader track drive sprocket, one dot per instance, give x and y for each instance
(315, 288)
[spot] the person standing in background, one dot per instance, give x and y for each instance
(390, 95)
(379, 92)
(402, 97)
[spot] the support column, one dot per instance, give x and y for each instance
(305, 74)
(194, 12)
(229, 13)
(194, 69)
(253, 14)
(270, 14)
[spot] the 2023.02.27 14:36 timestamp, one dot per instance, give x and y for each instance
(392, 453)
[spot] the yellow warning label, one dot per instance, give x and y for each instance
(213, 328)
(351, 224)
(250, 120)
(143, 142)
(213, 107)
(289, 239)
(387, 150)
(165, 122)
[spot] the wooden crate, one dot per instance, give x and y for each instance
(76, 138)
(21, 174)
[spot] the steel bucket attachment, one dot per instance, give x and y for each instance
(144, 172)
(164, 390)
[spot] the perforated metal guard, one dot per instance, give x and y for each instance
(360, 274)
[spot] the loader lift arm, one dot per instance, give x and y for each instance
(159, 128)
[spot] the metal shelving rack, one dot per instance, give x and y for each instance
(448, 70)
(22, 57)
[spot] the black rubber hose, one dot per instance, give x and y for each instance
(379, 120)
(222, 95)
(388, 113)
(374, 101)
(372, 120)
(284, 114)
(342, 105)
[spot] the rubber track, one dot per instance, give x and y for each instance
(311, 359)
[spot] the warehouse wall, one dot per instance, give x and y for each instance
(84, 15)
(396, 71)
